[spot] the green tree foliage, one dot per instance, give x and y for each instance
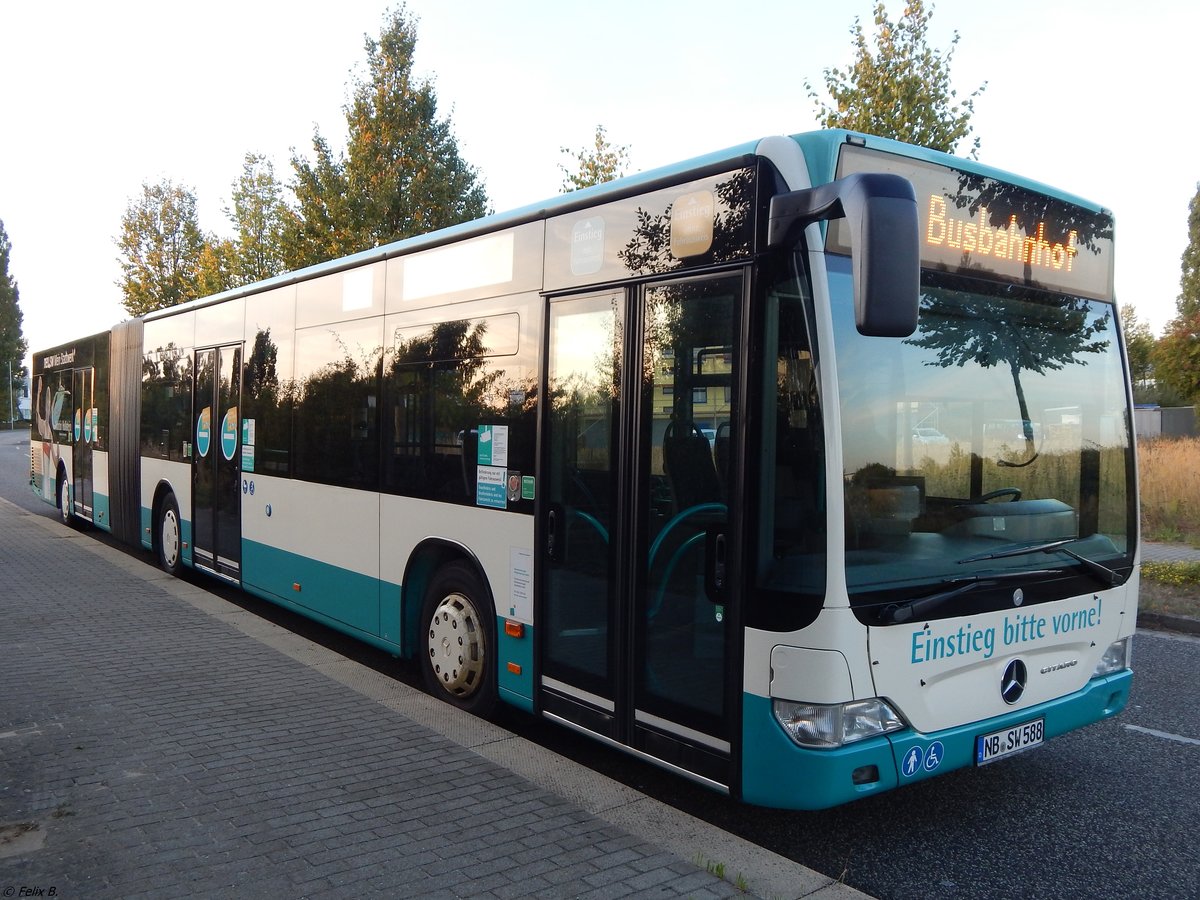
(402, 174)
(320, 225)
(161, 247)
(1189, 280)
(1139, 345)
(1177, 355)
(216, 267)
(258, 215)
(12, 341)
(594, 165)
(900, 88)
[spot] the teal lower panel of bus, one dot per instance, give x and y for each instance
(370, 610)
(101, 517)
(776, 772)
(514, 663)
(348, 600)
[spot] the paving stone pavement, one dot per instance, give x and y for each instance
(1153, 551)
(157, 741)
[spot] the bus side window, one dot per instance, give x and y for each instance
(337, 377)
(443, 382)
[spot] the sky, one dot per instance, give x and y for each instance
(1091, 96)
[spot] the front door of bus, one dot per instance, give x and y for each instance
(83, 436)
(216, 463)
(636, 625)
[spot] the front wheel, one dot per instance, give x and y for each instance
(170, 536)
(458, 650)
(64, 502)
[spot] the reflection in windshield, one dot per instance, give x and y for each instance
(1002, 420)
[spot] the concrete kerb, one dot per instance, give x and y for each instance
(1165, 622)
(1154, 551)
(765, 874)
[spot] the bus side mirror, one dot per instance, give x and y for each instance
(881, 218)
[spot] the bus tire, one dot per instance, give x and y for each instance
(458, 640)
(65, 515)
(168, 536)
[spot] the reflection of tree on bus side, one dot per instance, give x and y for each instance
(336, 417)
(261, 377)
(166, 401)
(443, 385)
(648, 252)
(445, 368)
(268, 402)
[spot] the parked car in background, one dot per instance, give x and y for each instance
(926, 435)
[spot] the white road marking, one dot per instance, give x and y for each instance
(1179, 738)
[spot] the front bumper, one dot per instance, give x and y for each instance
(778, 773)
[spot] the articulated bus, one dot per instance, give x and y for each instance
(803, 469)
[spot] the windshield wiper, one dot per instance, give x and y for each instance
(918, 606)
(1101, 573)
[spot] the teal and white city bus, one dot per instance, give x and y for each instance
(803, 469)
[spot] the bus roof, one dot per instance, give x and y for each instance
(820, 149)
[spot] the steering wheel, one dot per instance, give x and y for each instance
(1011, 492)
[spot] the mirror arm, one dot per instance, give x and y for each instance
(881, 215)
(846, 197)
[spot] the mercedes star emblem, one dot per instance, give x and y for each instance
(1012, 685)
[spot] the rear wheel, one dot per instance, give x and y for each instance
(458, 650)
(169, 541)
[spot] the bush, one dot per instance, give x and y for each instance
(1178, 573)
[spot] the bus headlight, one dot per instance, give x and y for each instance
(822, 726)
(1115, 658)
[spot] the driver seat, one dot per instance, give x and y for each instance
(688, 463)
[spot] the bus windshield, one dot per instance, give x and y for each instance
(991, 446)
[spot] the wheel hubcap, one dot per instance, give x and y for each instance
(170, 538)
(456, 645)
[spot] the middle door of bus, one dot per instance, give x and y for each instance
(83, 437)
(216, 462)
(636, 624)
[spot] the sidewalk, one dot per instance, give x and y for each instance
(157, 741)
(1157, 552)
(1170, 553)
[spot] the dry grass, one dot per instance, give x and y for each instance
(1169, 479)
(1169, 599)
(1169, 476)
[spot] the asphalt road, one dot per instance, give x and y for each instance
(1109, 811)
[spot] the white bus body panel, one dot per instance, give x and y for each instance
(177, 475)
(846, 678)
(944, 672)
(332, 525)
(501, 541)
(373, 535)
(100, 484)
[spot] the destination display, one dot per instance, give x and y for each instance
(973, 224)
